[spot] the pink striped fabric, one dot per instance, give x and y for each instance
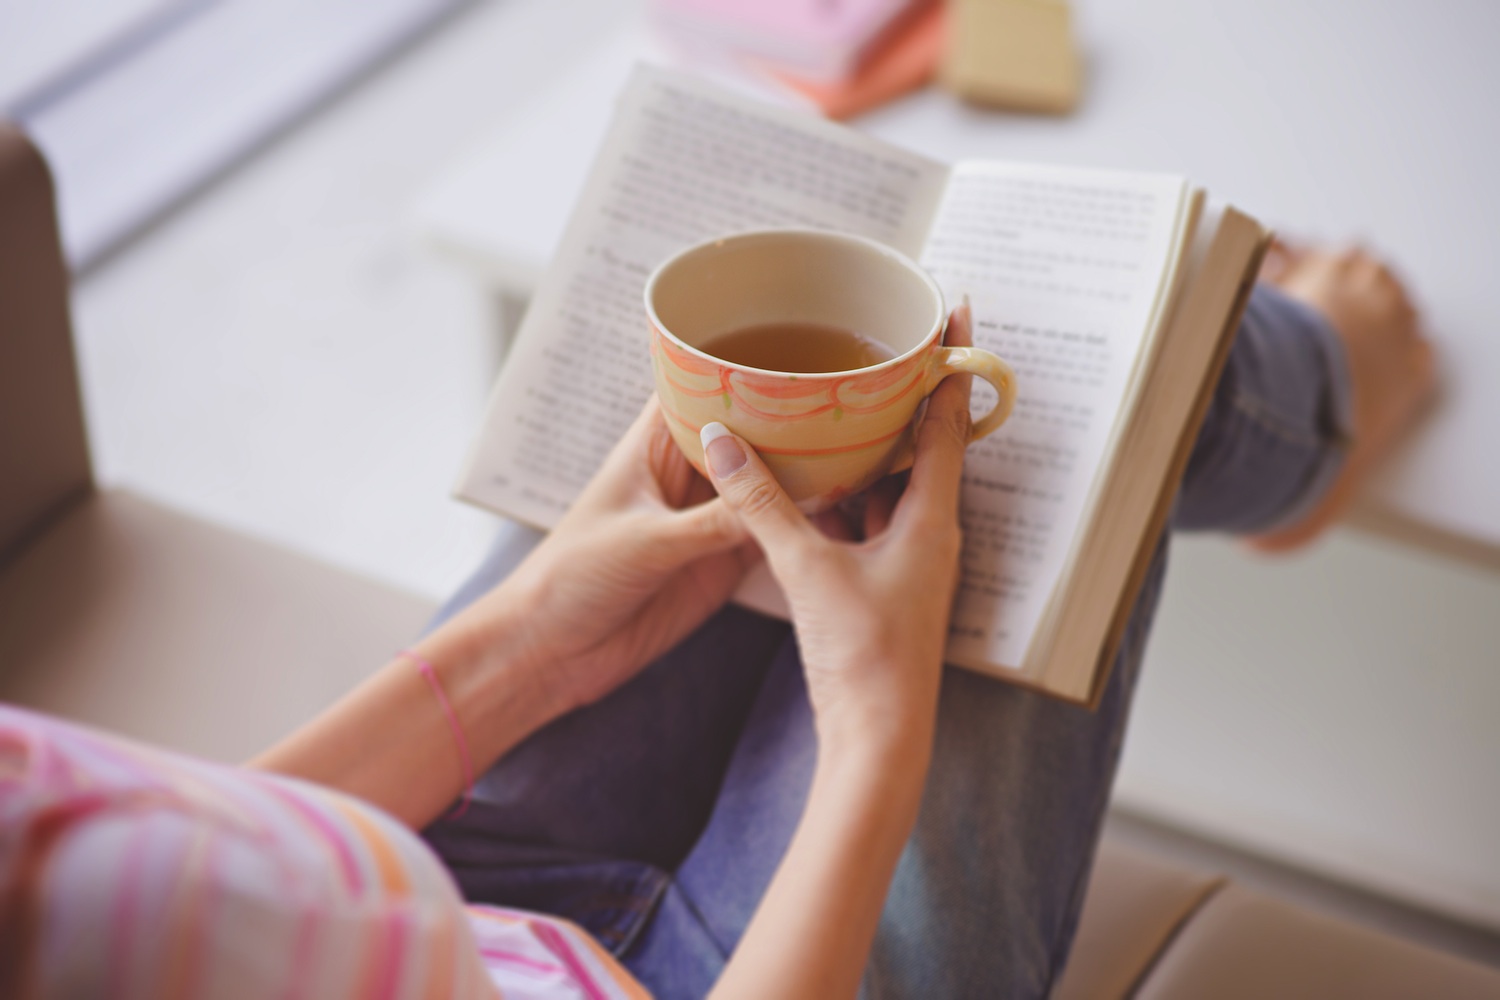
(130, 872)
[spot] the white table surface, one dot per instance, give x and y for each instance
(1328, 120)
(282, 357)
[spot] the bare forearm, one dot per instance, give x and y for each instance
(812, 932)
(389, 742)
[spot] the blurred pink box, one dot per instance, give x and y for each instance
(820, 40)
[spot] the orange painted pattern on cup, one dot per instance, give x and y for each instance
(743, 388)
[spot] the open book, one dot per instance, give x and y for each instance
(1115, 297)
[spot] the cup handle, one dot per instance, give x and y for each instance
(970, 361)
(974, 361)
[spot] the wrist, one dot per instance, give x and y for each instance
(873, 787)
(495, 675)
(890, 724)
(896, 753)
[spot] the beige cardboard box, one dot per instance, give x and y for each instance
(1013, 54)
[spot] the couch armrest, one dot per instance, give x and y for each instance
(44, 457)
(1135, 904)
(1241, 945)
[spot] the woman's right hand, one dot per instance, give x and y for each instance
(871, 615)
(872, 621)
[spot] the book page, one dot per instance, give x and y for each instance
(1065, 270)
(683, 162)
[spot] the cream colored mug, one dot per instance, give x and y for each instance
(824, 436)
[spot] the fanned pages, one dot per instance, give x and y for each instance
(1113, 295)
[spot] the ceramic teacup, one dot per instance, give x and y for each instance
(824, 436)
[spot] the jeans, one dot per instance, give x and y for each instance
(656, 817)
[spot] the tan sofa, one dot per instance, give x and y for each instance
(117, 611)
(1157, 930)
(122, 613)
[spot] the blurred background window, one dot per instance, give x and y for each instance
(138, 103)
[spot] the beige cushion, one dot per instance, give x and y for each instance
(1135, 904)
(1245, 945)
(138, 619)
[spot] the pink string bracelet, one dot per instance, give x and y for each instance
(430, 675)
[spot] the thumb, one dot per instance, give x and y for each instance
(748, 487)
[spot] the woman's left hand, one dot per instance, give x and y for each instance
(646, 553)
(641, 559)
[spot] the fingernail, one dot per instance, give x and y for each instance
(721, 450)
(968, 310)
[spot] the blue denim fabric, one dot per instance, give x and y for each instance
(1279, 423)
(588, 817)
(657, 817)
